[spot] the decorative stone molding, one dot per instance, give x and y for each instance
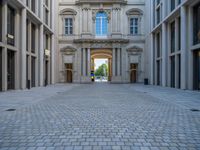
(79, 2)
(68, 11)
(95, 11)
(68, 50)
(134, 50)
(134, 11)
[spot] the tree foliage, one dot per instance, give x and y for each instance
(102, 70)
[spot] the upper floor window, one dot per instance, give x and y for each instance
(10, 25)
(69, 21)
(68, 26)
(1, 20)
(196, 23)
(173, 4)
(101, 24)
(134, 21)
(134, 26)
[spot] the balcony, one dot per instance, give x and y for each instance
(101, 1)
(108, 39)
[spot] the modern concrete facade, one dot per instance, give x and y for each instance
(174, 41)
(81, 39)
(26, 43)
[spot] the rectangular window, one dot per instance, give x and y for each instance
(46, 16)
(10, 69)
(158, 45)
(32, 71)
(46, 2)
(33, 5)
(68, 26)
(196, 70)
(173, 71)
(1, 20)
(11, 26)
(27, 35)
(173, 4)
(158, 15)
(179, 33)
(47, 42)
(172, 37)
(27, 3)
(134, 26)
(157, 2)
(158, 72)
(0, 69)
(33, 38)
(27, 70)
(179, 71)
(196, 22)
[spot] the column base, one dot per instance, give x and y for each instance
(85, 79)
(116, 79)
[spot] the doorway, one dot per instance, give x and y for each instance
(11, 70)
(69, 69)
(133, 74)
(101, 65)
(197, 70)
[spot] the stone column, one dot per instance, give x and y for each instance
(183, 48)
(4, 50)
(118, 62)
(152, 59)
(23, 49)
(84, 62)
(89, 62)
(113, 62)
(53, 47)
(176, 56)
(41, 56)
(164, 55)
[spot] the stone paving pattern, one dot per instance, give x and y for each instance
(100, 117)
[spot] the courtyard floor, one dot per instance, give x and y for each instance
(100, 116)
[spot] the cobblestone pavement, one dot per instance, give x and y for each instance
(100, 116)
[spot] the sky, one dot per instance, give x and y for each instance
(99, 62)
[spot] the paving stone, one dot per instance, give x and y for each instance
(100, 117)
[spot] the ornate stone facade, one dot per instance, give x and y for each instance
(120, 45)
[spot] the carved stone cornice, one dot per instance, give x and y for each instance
(134, 50)
(79, 2)
(68, 50)
(121, 41)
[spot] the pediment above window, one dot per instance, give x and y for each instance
(134, 12)
(68, 11)
(101, 1)
(68, 49)
(134, 49)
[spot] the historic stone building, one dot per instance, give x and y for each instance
(26, 43)
(111, 29)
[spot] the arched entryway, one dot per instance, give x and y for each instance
(102, 54)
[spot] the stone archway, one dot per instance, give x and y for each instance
(102, 54)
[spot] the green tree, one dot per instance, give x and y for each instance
(102, 70)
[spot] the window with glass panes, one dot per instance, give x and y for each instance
(68, 26)
(134, 26)
(101, 24)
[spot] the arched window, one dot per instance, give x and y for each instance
(101, 24)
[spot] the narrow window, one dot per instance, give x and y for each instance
(101, 24)
(10, 26)
(134, 26)
(68, 26)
